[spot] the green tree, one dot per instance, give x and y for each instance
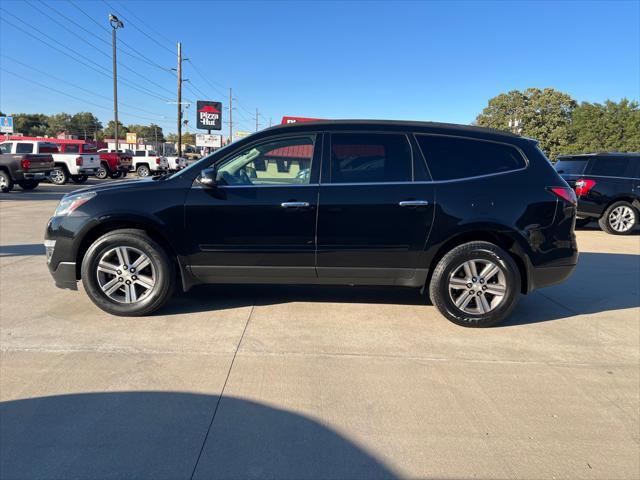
(30, 124)
(148, 132)
(605, 127)
(187, 138)
(58, 123)
(109, 132)
(541, 114)
(86, 125)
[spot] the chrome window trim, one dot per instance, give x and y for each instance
(518, 149)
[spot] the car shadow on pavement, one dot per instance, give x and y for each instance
(22, 250)
(170, 435)
(601, 282)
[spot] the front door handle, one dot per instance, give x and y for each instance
(413, 203)
(294, 204)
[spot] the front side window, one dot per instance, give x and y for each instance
(610, 166)
(24, 148)
(278, 162)
(46, 147)
(69, 148)
(451, 158)
(6, 147)
(370, 158)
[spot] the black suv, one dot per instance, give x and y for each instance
(607, 186)
(474, 215)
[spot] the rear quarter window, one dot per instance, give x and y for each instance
(451, 158)
(571, 166)
(611, 167)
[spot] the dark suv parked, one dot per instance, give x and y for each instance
(607, 186)
(474, 215)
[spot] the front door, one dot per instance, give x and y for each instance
(258, 223)
(374, 219)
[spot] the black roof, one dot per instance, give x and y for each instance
(600, 154)
(427, 126)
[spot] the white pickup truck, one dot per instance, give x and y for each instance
(75, 161)
(148, 162)
(176, 163)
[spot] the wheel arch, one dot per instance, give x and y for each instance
(623, 197)
(505, 239)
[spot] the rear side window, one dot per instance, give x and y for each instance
(450, 158)
(610, 166)
(45, 147)
(571, 166)
(89, 148)
(370, 158)
(138, 153)
(72, 148)
(6, 147)
(24, 148)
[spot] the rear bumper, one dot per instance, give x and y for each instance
(540, 277)
(64, 274)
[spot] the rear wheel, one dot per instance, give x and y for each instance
(6, 183)
(59, 175)
(79, 178)
(143, 171)
(115, 175)
(620, 218)
(476, 284)
(28, 184)
(102, 172)
(127, 273)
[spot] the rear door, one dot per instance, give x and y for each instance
(373, 219)
(613, 176)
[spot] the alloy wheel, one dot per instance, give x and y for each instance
(3, 182)
(477, 286)
(622, 218)
(57, 176)
(126, 274)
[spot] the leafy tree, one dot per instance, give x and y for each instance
(605, 127)
(30, 124)
(86, 124)
(187, 138)
(60, 122)
(148, 132)
(542, 114)
(109, 131)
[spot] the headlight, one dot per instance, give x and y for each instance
(69, 204)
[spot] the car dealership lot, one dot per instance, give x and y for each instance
(316, 382)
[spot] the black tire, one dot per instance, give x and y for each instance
(115, 175)
(608, 223)
(6, 182)
(102, 172)
(479, 251)
(143, 171)
(583, 222)
(162, 263)
(59, 175)
(28, 184)
(79, 178)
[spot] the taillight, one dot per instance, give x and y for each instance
(25, 163)
(78, 161)
(158, 161)
(583, 186)
(565, 193)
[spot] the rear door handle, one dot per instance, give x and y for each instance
(294, 204)
(413, 203)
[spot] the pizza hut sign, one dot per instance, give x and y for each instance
(209, 115)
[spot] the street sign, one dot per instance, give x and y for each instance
(206, 140)
(209, 115)
(6, 124)
(132, 138)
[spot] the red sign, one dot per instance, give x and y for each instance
(286, 120)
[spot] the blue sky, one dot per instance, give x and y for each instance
(430, 60)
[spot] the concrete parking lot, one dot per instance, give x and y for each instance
(316, 382)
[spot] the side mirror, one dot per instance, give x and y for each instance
(208, 177)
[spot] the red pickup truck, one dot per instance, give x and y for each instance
(112, 164)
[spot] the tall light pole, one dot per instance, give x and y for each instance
(115, 24)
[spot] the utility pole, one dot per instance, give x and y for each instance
(115, 24)
(179, 99)
(257, 119)
(230, 116)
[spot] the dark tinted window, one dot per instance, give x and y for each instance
(370, 158)
(450, 158)
(46, 147)
(610, 166)
(72, 149)
(24, 148)
(6, 147)
(573, 166)
(87, 148)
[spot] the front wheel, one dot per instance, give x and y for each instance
(620, 218)
(28, 184)
(125, 272)
(6, 183)
(79, 178)
(102, 172)
(476, 284)
(59, 176)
